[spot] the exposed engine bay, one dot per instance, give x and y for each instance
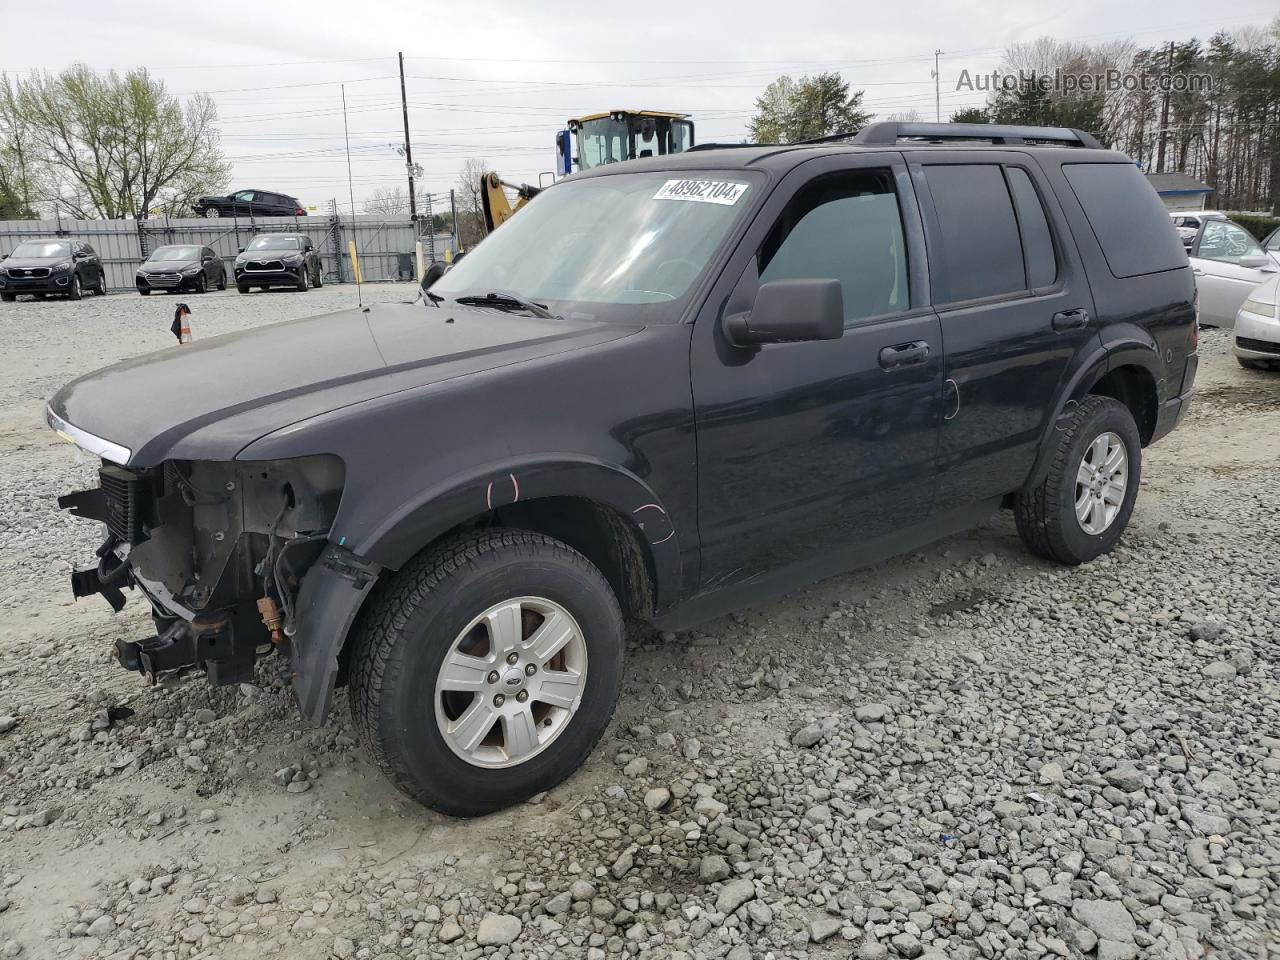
(219, 550)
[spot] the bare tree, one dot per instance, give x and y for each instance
(388, 202)
(22, 183)
(470, 200)
(121, 145)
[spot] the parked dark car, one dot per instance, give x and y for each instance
(279, 260)
(250, 203)
(60, 266)
(667, 389)
(182, 266)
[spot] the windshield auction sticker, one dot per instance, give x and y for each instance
(702, 191)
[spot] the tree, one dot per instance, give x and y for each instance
(905, 116)
(21, 186)
(971, 115)
(773, 112)
(470, 201)
(121, 145)
(388, 202)
(818, 106)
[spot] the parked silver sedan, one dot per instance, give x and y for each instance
(1228, 263)
(1257, 329)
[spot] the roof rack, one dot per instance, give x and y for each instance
(725, 146)
(889, 132)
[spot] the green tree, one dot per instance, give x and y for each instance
(21, 186)
(121, 145)
(790, 111)
(971, 115)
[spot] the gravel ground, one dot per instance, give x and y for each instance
(962, 753)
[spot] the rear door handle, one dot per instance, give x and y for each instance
(904, 354)
(1070, 319)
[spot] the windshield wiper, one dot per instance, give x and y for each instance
(501, 300)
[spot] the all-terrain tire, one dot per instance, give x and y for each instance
(1046, 514)
(411, 623)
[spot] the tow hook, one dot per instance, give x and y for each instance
(181, 645)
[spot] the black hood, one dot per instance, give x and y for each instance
(167, 266)
(24, 262)
(209, 399)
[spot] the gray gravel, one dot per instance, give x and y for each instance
(964, 753)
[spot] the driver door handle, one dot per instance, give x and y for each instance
(904, 354)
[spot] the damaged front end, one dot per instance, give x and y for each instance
(219, 549)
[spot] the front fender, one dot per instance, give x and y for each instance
(413, 525)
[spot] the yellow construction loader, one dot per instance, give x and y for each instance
(593, 141)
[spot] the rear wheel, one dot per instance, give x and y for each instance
(1083, 505)
(212, 213)
(487, 669)
(222, 280)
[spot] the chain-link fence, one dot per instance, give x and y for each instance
(385, 247)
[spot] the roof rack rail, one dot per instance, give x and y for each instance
(889, 132)
(725, 146)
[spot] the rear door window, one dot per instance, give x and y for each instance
(977, 243)
(1127, 217)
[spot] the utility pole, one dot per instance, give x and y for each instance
(408, 150)
(937, 88)
(1164, 110)
(453, 216)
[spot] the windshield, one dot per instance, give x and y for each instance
(43, 249)
(587, 248)
(175, 253)
(602, 141)
(274, 243)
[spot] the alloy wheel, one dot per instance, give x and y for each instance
(1101, 481)
(511, 682)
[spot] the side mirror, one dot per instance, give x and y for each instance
(1257, 261)
(433, 273)
(241, 250)
(790, 311)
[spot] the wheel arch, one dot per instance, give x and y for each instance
(605, 512)
(1124, 365)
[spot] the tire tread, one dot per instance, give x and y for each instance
(1038, 512)
(380, 631)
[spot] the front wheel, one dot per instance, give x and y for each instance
(242, 287)
(304, 281)
(1083, 505)
(8, 297)
(202, 283)
(75, 291)
(486, 670)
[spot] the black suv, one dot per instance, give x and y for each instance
(249, 203)
(667, 389)
(60, 266)
(279, 260)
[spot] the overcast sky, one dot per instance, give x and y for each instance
(495, 80)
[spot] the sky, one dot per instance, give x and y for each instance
(495, 80)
